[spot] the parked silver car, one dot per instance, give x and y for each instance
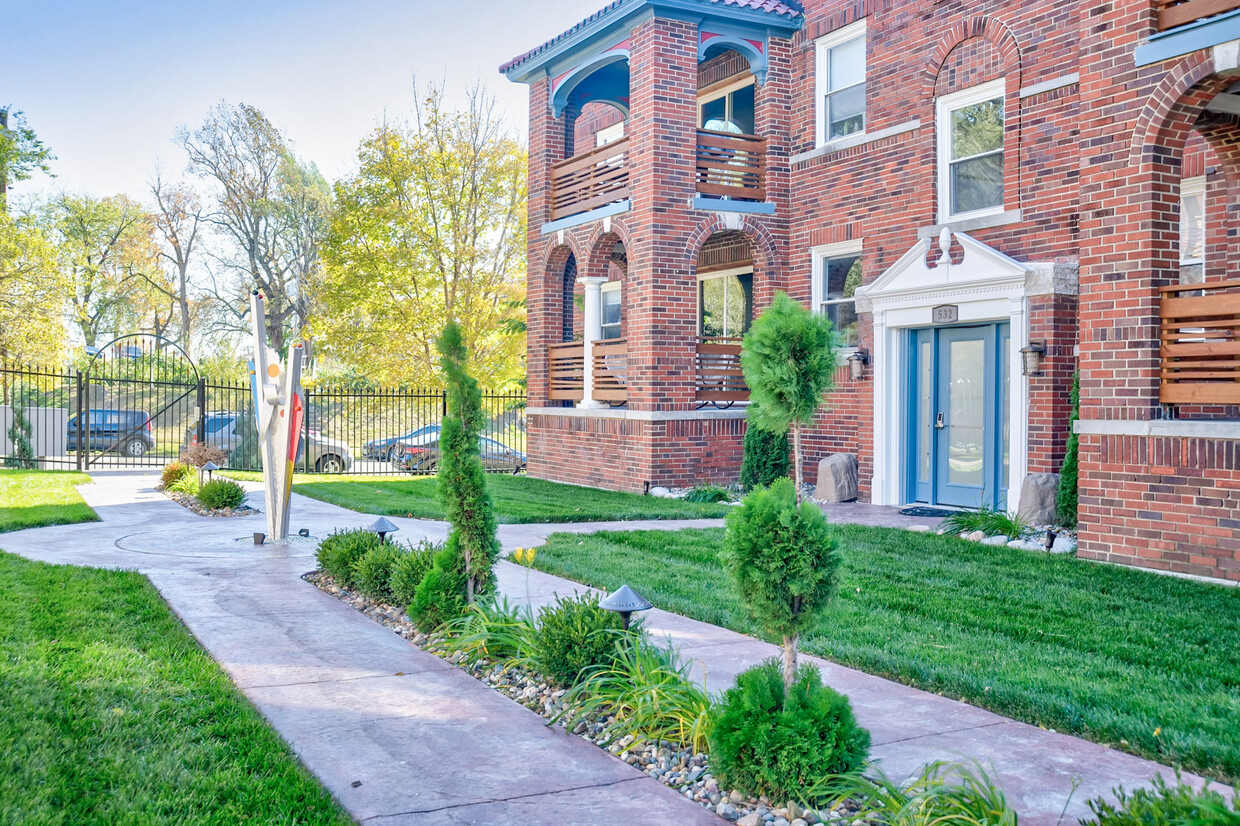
(325, 455)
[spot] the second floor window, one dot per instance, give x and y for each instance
(837, 275)
(611, 309)
(725, 304)
(728, 107)
(841, 83)
(970, 137)
(1192, 230)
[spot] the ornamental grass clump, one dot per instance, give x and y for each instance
(988, 520)
(944, 794)
(574, 636)
(492, 630)
(708, 494)
(172, 472)
(785, 742)
(1181, 805)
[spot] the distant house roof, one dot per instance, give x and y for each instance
(789, 9)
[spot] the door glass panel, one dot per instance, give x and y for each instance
(743, 109)
(1004, 447)
(925, 385)
(967, 412)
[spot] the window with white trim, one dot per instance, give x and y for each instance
(610, 296)
(840, 83)
(728, 107)
(725, 303)
(970, 151)
(1192, 230)
(836, 272)
(609, 134)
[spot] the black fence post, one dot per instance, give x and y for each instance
(202, 411)
(81, 417)
(305, 432)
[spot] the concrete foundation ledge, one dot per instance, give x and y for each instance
(1179, 428)
(705, 414)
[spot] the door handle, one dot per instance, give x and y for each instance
(938, 421)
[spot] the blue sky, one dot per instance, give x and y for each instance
(105, 84)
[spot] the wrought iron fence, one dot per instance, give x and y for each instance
(144, 413)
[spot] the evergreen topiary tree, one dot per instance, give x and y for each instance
(19, 434)
(789, 362)
(464, 570)
(783, 559)
(765, 456)
(1065, 501)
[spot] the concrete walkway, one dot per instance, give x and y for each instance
(431, 745)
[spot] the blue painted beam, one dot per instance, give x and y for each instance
(1202, 34)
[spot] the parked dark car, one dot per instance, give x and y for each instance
(220, 428)
(421, 455)
(384, 450)
(127, 432)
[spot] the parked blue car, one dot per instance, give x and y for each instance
(127, 432)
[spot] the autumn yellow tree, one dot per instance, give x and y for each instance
(32, 293)
(431, 228)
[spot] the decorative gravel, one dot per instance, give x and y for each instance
(192, 503)
(670, 763)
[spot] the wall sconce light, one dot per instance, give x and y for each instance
(856, 364)
(1031, 358)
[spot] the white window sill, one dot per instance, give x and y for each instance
(972, 222)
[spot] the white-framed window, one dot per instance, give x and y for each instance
(836, 272)
(728, 107)
(609, 134)
(970, 151)
(1192, 230)
(840, 83)
(725, 303)
(610, 294)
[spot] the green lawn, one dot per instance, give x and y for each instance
(1146, 663)
(110, 712)
(518, 499)
(34, 498)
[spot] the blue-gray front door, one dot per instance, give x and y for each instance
(958, 424)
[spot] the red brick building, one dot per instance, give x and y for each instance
(983, 198)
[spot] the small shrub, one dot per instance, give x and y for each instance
(373, 571)
(410, 569)
(340, 551)
(199, 453)
(989, 521)
(1162, 806)
(493, 630)
(172, 472)
(221, 493)
(708, 494)
(440, 596)
(942, 795)
(186, 484)
(575, 635)
(784, 745)
(650, 692)
(1066, 498)
(765, 456)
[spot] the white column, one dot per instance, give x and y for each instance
(880, 373)
(1018, 400)
(593, 332)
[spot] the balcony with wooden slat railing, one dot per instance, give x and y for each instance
(720, 380)
(591, 180)
(566, 371)
(1200, 343)
(611, 371)
(731, 166)
(1175, 13)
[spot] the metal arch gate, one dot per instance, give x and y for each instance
(136, 402)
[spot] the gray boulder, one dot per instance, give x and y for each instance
(1037, 498)
(837, 478)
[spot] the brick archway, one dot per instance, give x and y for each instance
(988, 28)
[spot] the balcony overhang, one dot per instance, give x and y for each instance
(603, 38)
(1202, 34)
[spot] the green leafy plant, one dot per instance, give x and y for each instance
(187, 483)
(19, 434)
(410, 568)
(988, 520)
(373, 571)
(440, 596)
(944, 794)
(650, 692)
(788, 358)
(1066, 499)
(574, 635)
(708, 494)
(221, 493)
(783, 559)
(765, 454)
(494, 630)
(784, 743)
(172, 472)
(340, 551)
(1181, 805)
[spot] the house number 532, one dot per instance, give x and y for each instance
(945, 314)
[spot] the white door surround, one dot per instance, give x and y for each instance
(986, 286)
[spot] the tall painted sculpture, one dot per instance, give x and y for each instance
(279, 414)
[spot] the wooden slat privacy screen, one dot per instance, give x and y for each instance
(1200, 343)
(1173, 13)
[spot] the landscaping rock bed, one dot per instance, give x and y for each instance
(674, 766)
(191, 503)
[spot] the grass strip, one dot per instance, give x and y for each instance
(1146, 663)
(35, 498)
(110, 712)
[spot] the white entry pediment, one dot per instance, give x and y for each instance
(914, 274)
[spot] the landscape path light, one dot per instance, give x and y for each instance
(382, 527)
(624, 602)
(210, 467)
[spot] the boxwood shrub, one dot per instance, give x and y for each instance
(574, 635)
(339, 552)
(221, 493)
